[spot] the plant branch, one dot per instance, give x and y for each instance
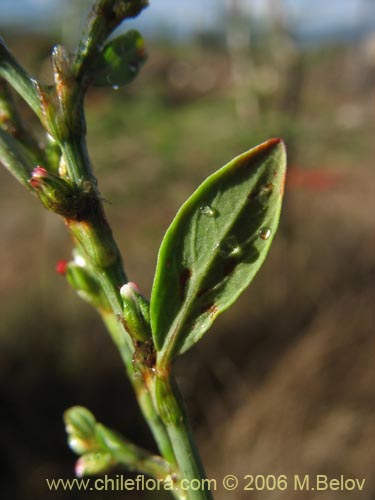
(173, 413)
(15, 158)
(10, 122)
(19, 79)
(60, 109)
(115, 328)
(104, 17)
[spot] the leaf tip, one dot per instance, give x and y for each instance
(275, 142)
(277, 146)
(274, 146)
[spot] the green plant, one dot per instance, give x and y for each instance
(209, 255)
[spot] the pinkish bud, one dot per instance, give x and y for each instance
(39, 172)
(136, 312)
(93, 463)
(61, 267)
(37, 175)
(128, 289)
(55, 192)
(79, 468)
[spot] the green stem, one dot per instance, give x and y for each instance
(15, 158)
(173, 413)
(104, 17)
(10, 121)
(94, 236)
(19, 79)
(158, 398)
(62, 114)
(77, 160)
(152, 466)
(165, 413)
(120, 338)
(133, 457)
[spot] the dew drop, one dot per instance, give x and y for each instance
(264, 233)
(34, 83)
(115, 87)
(230, 247)
(207, 210)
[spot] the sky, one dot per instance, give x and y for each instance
(184, 16)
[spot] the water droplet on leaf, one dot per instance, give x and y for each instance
(115, 87)
(230, 247)
(207, 210)
(264, 233)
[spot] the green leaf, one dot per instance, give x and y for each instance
(214, 247)
(120, 60)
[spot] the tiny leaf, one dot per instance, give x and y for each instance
(215, 245)
(120, 60)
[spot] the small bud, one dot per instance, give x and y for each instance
(93, 463)
(37, 177)
(129, 290)
(61, 267)
(79, 422)
(136, 313)
(85, 283)
(55, 193)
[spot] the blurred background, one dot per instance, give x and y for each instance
(282, 383)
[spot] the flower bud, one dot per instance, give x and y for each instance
(55, 193)
(80, 425)
(79, 422)
(136, 312)
(93, 463)
(81, 278)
